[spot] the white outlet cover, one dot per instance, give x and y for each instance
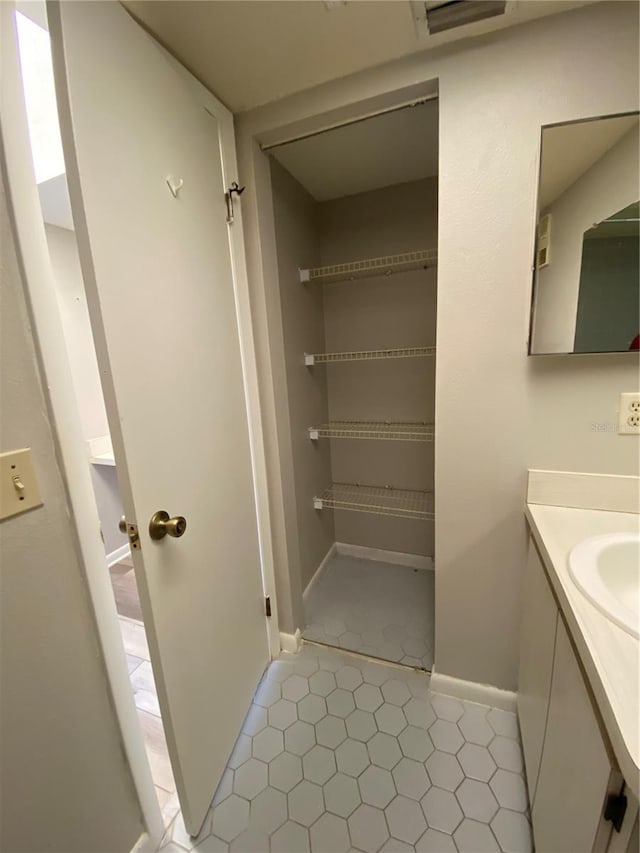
(629, 413)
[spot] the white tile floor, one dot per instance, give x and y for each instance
(340, 754)
(380, 610)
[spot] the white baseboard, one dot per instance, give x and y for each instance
(415, 561)
(291, 642)
(146, 844)
(473, 691)
(119, 554)
(319, 572)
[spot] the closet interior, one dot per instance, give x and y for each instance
(356, 225)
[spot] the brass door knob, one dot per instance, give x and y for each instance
(162, 525)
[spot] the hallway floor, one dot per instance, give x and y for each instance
(381, 610)
(338, 753)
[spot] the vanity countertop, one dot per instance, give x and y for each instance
(610, 656)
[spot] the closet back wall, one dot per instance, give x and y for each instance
(378, 313)
(309, 533)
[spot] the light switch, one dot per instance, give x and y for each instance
(18, 485)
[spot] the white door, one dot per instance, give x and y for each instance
(159, 284)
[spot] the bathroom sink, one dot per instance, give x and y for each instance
(606, 569)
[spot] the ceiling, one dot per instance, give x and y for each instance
(569, 150)
(388, 149)
(250, 52)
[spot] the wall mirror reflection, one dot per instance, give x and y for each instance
(586, 282)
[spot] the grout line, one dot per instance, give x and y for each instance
(382, 661)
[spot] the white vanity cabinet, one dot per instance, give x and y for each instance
(539, 621)
(570, 768)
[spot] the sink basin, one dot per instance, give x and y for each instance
(607, 570)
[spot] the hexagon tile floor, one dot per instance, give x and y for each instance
(338, 753)
(377, 609)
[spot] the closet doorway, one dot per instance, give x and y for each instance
(356, 226)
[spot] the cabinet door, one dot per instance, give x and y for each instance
(575, 769)
(540, 615)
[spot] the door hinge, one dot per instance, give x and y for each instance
(267, 605)
(228, 197)
(615, 809)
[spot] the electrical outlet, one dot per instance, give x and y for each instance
(629, 414)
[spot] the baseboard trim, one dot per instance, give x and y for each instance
(119, 554)
(146, 844)
(474, 691)
(415, 561)
(319, 571)
(291, 642)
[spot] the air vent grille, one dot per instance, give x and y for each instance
(438, 16)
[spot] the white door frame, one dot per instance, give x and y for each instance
(49, 337)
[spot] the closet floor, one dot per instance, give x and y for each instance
(381, 610)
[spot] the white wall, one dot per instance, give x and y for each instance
(297, 243)
(64, 781)
(497, 410)
(611, 184)
(72, 302)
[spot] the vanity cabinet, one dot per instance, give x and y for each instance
(576, 773)
(570, 767)
(539, 621)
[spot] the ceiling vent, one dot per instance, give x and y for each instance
(437, 16)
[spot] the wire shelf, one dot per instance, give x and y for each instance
(387, 265)
(378, 500)
(385, 430)
(367, 355)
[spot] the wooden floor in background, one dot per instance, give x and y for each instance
(144, 690)
(123, 581)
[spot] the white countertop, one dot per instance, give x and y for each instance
(609, 655)
(100, 451)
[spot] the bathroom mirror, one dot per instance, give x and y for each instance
(586, 280)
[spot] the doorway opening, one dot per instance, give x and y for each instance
(46, 149)
(356, 226)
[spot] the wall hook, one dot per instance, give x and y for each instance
(175, 185)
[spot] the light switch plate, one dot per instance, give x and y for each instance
(18, 485)
(629, 413)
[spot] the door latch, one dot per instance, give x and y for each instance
(132, 532)
(228, 197)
